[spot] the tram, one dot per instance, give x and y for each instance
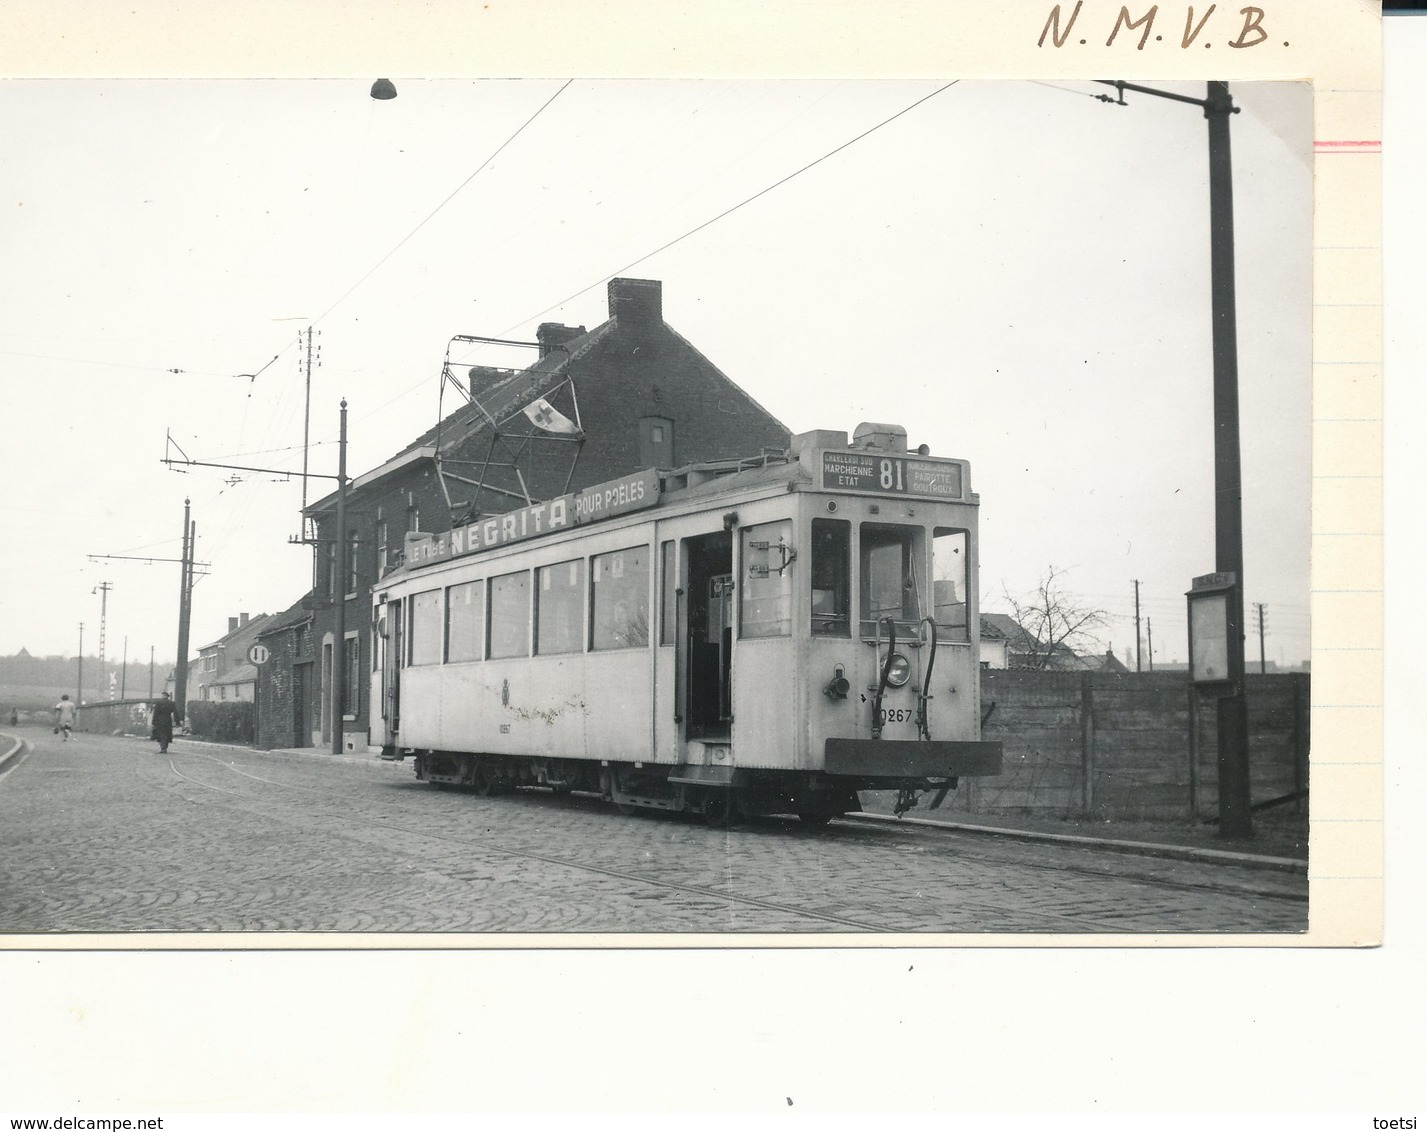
(765, 636)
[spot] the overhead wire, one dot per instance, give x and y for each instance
(692, 231)
(450, 197)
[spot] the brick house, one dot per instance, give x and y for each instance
(285, 713)
(594, 404)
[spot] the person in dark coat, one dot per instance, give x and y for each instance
(164, 711)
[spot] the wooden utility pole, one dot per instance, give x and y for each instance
(79, 691)
(1263, 664)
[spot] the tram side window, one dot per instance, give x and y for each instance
(559, 603)
(425, 635)
(509, 620)
(767, 580)
(890, 560)
(465, 613)
(829, 572)
(949, 572)
(619, 605)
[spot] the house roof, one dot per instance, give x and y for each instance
(241, 674)
(501, 394)
(294, 614)
(247, 627)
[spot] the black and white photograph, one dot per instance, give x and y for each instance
(554, 517)
(661, 506)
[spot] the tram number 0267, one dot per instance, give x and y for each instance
(895, 715)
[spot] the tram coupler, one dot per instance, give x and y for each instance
(941, 794)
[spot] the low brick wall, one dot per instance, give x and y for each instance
(1130, 746)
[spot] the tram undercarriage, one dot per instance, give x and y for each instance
(720, 794)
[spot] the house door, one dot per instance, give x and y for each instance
(301, 712)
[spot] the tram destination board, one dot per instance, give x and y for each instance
(891, 475)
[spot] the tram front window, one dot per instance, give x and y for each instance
(890, 559)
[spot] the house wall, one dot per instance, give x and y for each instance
(286, 680)
(1152, 749)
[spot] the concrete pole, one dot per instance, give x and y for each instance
(339, 598)
(1235, 816)
(185, 583)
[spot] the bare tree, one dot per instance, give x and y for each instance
(1054, 625)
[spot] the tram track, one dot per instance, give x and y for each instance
(951, 843)
(1067, 865)
(543, 858)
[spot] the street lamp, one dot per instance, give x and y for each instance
(1235, 816)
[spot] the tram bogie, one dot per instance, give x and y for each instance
(761, 638)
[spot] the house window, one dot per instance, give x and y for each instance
(656, 442)
(619, 605)
(352, 682)
(353, 574)
(381, 560)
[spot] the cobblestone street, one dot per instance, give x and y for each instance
(106, 835)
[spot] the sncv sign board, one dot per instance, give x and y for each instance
(1212, 624)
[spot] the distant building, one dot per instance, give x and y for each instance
(630, 394)
(212, 674)
(1005, 644)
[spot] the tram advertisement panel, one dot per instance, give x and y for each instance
(602, 501)
(894, 475)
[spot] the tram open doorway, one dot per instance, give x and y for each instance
(708, 643)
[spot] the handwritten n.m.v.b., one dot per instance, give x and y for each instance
(1247, 26)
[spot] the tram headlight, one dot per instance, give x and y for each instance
(899, 671)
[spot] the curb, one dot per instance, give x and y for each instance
(6, 756)
(1144, 848)
(370, 761)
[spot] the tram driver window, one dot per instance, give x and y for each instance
(619, 605)
(891, 564)
(949, 577)
(767, 589)
(829, 571)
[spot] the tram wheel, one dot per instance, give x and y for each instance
(626, 810)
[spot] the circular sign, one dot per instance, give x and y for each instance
(259, 654)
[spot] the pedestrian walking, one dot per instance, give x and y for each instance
(164, 711)
(14, 717)
(64, 716)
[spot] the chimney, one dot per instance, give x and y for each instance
(242, 619)
(636, 302)
(552, 334)
(232, 624)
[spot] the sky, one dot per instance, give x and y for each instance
(1016, 272)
